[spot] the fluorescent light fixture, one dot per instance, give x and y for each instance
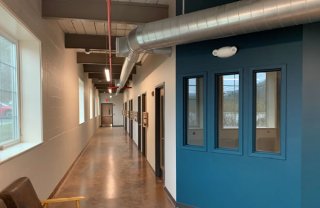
(110, 90)
(107, 72)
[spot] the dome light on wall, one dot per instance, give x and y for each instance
(225, 52)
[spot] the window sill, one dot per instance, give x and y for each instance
(16, 150)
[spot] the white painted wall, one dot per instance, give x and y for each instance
(117, 102)
(63, 137)
(157, 70)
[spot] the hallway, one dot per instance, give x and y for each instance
(112, 173)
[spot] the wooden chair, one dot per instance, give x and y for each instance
(2, 205)
(21, 194)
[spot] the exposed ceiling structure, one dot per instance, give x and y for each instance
(84, 23)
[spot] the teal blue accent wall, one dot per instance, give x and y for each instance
(311, 117)
(194, 5)
(208, 179)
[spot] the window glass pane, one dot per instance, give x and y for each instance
(228, 110)
(91, 103)
(96, 105)
(81, 101)
(9, 125)
(194, 114)
(267, 94)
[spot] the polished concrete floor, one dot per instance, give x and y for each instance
(112, 173)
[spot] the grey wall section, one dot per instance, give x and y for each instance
(63, 137)
(311, 117)
(117, 102)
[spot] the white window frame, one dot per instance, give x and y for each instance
(82, 117)
(91, 102)
(14, 141)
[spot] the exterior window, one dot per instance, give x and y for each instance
(267, 111)
(96, 105)
(9, 102)
(81, 101)
(91, 103)
(228, 111)
(194, 111)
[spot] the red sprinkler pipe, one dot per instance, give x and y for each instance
(109, 37)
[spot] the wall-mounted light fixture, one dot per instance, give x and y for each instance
(107, 72)
(225, 52)
(87, 51)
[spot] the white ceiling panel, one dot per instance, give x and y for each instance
(100, 28)
(78, 26)
(67, 26)
(89, 27)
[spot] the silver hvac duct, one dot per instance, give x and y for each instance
(232, 19)
(127, 67)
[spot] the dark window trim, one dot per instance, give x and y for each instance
(184, 79)
(283, 116)
(214, 147)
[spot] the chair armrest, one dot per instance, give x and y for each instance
(59, 200)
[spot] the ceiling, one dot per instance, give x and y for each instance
(85, 27)
(91, 27)
(164, 2)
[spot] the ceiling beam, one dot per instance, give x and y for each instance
(128, 12)
(101, 81)
(102, 86)
(97, 58)
(88, 41)
(102, 76)
(105, 91)
(91, 68)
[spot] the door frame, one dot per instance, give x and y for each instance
(143, 129)
(158, 170)
(139, 123)
(125, 116)
(102, 114)
(130, 119)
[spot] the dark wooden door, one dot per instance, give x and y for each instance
(131, 121)
(139, 123)
(125, 116)
(160, 132)
(143, 133)
(106, 114)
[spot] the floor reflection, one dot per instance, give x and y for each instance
(112, 173)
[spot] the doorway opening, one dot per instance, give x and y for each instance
(130, 119)
(107, 114)
(143, 128)
(139, 123)
(160, 132)
(125, 117)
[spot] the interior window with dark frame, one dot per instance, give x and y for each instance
(227, 102)
(194, 111)
(267, 102)
(9, 105)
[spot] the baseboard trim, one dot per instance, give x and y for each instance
(179, 205)
(171, 199)
(56, 189)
